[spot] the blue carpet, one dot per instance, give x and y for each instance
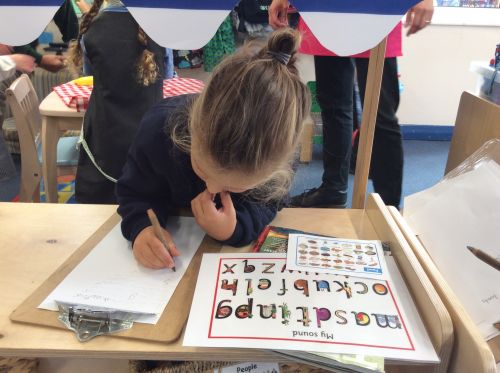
(424, 166)
(425, 162)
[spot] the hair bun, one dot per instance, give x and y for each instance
(284, 42)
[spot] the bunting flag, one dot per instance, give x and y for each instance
(343, 26)
(22, 21)
(348, 27)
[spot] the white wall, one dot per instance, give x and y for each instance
(435, 70)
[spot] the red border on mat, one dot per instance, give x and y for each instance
(302, 340)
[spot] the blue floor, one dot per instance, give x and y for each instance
(424, 166)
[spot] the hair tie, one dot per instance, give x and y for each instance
(282, 57)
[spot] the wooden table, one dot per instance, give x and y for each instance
(37, 238)
(57, 118)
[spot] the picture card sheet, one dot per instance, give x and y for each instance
(110, 277)
(250, 300)
(336, 255)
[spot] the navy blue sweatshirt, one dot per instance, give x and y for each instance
(159, 175)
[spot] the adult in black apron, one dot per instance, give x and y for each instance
(117, 103)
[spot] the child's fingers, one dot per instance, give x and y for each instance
(143, 256)
(161, 253)
(207, 204)
(226, 200)
(196, 207)
(170, 243)
(207, 197)
(174, 251)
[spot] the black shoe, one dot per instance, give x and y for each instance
(320, 197)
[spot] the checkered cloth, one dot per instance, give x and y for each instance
(74, 96)
(77, 97)
(181, 86)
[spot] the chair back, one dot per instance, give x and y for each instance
(478, 120)
(23, 102)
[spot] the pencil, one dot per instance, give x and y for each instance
(495, 263)
(159, 233)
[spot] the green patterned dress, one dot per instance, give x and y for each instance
(219, 46)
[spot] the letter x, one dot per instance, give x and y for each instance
(228, 269)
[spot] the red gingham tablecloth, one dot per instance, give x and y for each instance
(77, 97)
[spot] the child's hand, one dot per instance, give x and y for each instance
(218, 224)
(150, 252)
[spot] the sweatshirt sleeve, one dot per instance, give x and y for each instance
(30, 51)
(141, 185)
(252, 216)
(7, 67)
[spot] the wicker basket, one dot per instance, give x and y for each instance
(143, 366)
(17, 365)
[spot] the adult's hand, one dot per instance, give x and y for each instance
(52, 62)
(277, 14)
(5, 49)
(419, 16)
(24, 63)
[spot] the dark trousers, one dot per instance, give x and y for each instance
(334, 84)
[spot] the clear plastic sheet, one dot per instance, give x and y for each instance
(489, 151)
(459, 213)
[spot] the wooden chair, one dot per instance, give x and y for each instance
(478, 120)
(23, 102)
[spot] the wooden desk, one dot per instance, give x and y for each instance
(56, 119)
(37, 238)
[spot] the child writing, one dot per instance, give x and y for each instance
(225, 153)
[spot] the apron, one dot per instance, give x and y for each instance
(116, 105)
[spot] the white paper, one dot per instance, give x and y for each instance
(295, 311)
(110, 277)
(421, 340)
(341, 256)
(420, 337)
(464, 211)
(250, 368)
